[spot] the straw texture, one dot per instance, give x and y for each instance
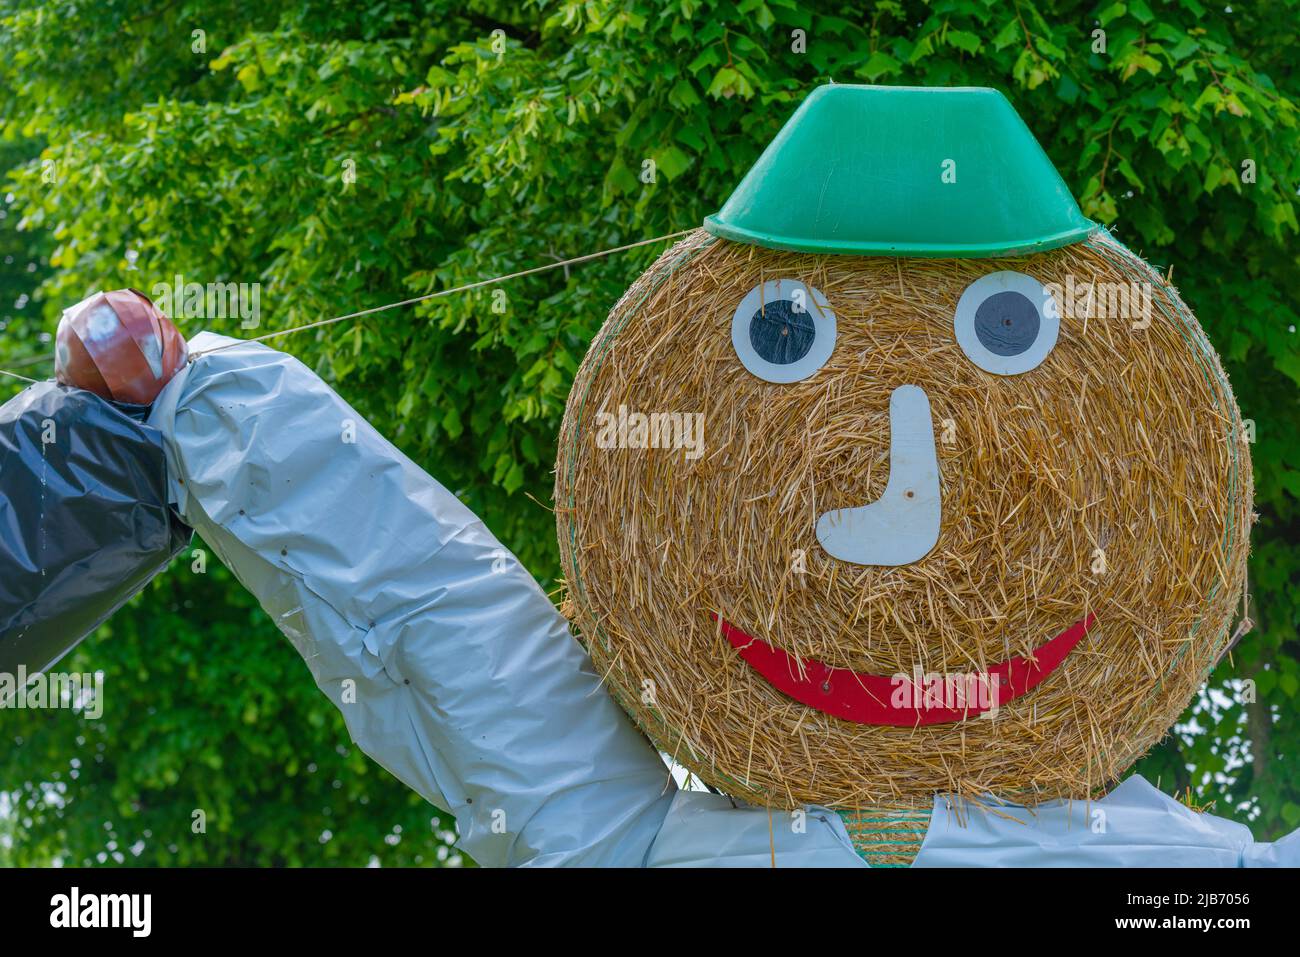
(1123, 440)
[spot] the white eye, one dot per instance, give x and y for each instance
(1007, 322)
(783, 331)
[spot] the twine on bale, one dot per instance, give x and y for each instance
(887, 837)
(1124, 441)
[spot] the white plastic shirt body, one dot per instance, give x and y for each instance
(1135, 825)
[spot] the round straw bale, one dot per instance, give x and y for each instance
(1111, 480)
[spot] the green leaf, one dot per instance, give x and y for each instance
(963, 40)
(248, 77)
(672, 161)
(729, 82)
(683, 95)
(1141, 11)
(1008, 35)
(451, 422)
(1110, 13)
(879, 64)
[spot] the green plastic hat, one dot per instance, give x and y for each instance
(903, 171)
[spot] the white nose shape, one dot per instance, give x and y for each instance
(902, 525)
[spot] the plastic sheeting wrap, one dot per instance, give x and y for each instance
(452, 669)
(1135, 825)
(712, 830)
(84, 519)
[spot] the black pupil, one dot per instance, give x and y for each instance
(780, 334)
(1007, 323)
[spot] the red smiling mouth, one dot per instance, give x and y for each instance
(873, 699)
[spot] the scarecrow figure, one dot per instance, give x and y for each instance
(956, 548)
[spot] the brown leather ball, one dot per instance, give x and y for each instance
(118, 346)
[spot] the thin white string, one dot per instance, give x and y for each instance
(408, 302)
(23, 363)
(442, 292)
(33, 361)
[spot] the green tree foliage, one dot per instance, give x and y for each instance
(23, 266)
(345, 156)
